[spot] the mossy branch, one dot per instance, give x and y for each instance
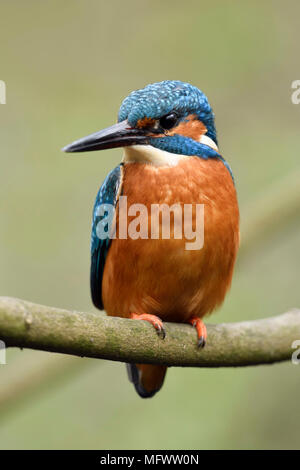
(27, 325)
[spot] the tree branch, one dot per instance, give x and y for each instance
(27, 325)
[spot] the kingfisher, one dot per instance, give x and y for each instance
(170, 156)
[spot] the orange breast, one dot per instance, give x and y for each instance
(160, 276)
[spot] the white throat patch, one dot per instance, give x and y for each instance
(152, 155)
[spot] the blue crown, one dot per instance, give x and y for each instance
(159, 99)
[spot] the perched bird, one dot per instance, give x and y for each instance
(170, 157)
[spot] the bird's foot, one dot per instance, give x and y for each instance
(153, 319)
(201, 330)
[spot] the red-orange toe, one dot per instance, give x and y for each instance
(153, 319)
(201, 330)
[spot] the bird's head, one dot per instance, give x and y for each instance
(169, 117)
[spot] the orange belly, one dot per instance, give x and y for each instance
(159, 276)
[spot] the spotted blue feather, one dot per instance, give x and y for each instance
(158, 99)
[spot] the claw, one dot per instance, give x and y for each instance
(162, 331)
(153, 319)
(201, 342)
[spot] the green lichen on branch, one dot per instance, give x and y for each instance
(28, 325)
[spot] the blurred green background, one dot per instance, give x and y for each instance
(67, 66)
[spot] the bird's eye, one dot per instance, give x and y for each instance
(168, 121)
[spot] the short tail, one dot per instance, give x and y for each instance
(146, 378)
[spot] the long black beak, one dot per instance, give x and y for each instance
(118, 135)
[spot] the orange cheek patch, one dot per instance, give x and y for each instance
(145, 122)
(190, 127)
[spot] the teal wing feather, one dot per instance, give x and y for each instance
(108, 195)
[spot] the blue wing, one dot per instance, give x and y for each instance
(108, 194)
